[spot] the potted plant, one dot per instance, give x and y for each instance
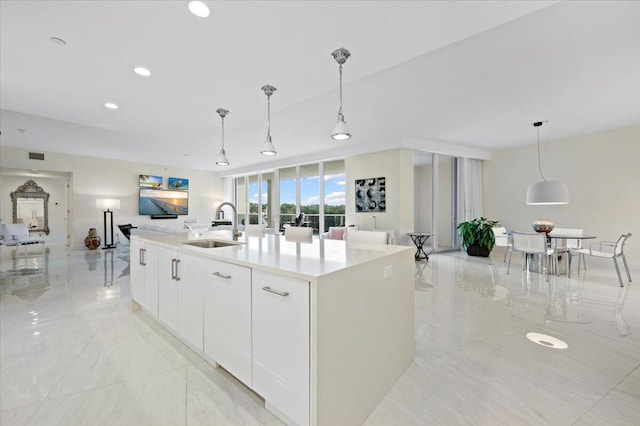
(477, 236)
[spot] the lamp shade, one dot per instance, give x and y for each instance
(340, 131)
(107, 204)
(547, 192)
(268, 148)
(222, 159)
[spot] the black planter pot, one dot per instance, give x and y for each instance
(476, 250)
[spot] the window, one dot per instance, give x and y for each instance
(310, 195)
(287, 196)
(334, 194)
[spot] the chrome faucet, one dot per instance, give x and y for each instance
(236, 233)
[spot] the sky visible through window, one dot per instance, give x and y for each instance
(333, 187)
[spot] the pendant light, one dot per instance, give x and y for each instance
(268, 148)
(546, 191)
(222, 156)
(340, 131)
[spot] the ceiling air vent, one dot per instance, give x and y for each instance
(36, 156)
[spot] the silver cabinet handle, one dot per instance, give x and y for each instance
(218, 274)
(279, 293)
(173, 269)
(177, 276)
(141, 257)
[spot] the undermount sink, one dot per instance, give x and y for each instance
(210, 243)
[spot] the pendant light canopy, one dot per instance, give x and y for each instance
(268, 148)
(340, 131)
(222, 156)
(546, 191)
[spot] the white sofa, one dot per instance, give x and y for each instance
(154, 230)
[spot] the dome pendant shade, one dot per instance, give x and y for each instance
(547, 192)
(268, 148)
(340, 131)
(222, 159)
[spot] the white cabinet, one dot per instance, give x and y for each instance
(280, 337)
(227, 317)
(144, 275)
(168, 269)
(136, 261)
(191, 283)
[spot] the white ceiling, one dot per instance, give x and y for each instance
(473, 74)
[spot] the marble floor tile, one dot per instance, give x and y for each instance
(30, 378)
(157, 399)
(18, 416)
(216, 397)
(113, 360)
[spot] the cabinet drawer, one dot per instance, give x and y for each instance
(280, 326)
(227, 272)
(227, 317)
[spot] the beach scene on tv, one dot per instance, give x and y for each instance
(153, 201)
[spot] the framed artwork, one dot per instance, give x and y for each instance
(178, 183)
(371, 195)
(148, 181)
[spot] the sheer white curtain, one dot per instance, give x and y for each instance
(469, 189)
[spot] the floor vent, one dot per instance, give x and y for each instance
(36, 156)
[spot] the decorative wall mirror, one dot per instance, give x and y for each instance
(31, 206)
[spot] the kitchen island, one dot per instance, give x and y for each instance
(321, 329)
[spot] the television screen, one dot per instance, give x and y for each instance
(163, 202)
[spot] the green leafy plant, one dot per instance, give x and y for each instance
(478, 232)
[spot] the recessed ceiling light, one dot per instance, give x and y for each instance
(198, 8)
(111, 105)
(58, 41)
(142, 71)
(546, 340)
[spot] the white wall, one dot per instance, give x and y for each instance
(602, 171)
(422, 198)
(94, 178)
(397, 167)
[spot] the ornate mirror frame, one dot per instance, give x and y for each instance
(30, 190)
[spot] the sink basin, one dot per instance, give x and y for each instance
(209, 243)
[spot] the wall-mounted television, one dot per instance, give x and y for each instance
(163, 202)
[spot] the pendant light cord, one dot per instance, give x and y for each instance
(269, 116)
(222, 134)
(537, 126)
(340, 110)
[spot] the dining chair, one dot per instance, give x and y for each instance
(569, 246)
(255, 229)
(502, 240)
(372, 237)
(532, 244)
(298, 233)
(610, 250)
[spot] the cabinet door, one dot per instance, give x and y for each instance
(136, 260)
(190, 298)
(151, 279)
(168, 287)
(227, 317)
(280, 325)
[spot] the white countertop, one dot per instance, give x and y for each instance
(274, 252)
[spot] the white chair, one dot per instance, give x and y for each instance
(371, 237)
(17, 234)
(502, 240)
(334, 233)
(569, 246)
(529, 245)
(255, 230)
(610, 250)
(298, 234)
